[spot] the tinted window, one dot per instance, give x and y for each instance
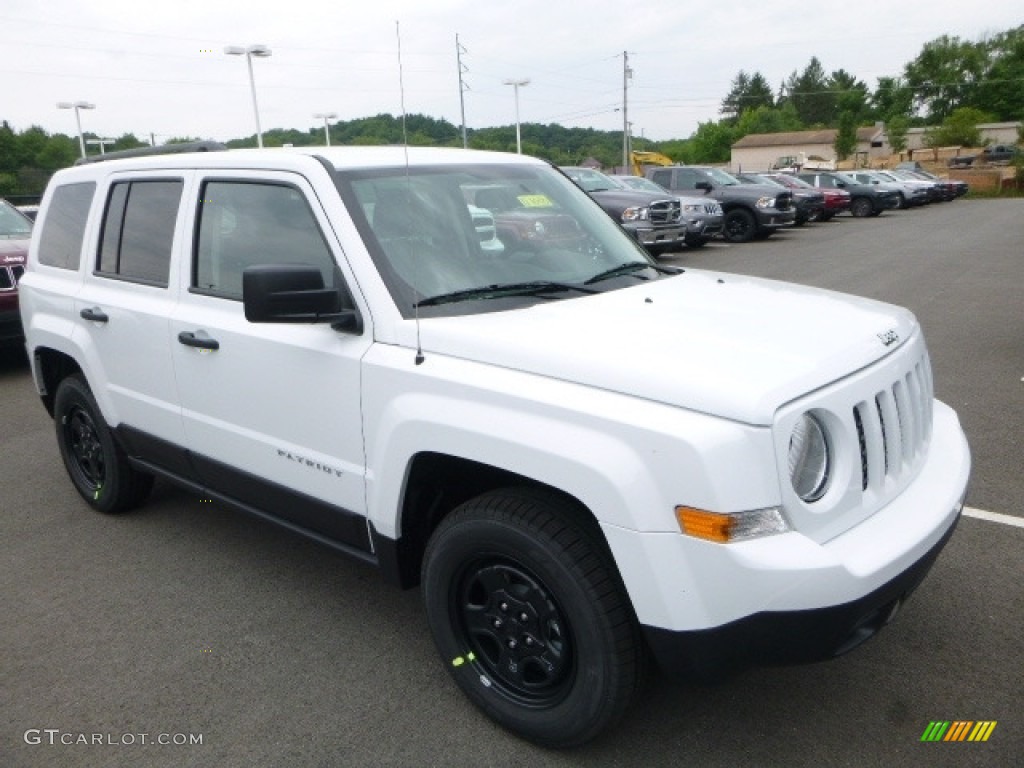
(60, 241)
(138, 230)
(664, 178)
(245, 224)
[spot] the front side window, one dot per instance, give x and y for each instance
(60, 240)
(138, 230)
(246, 224)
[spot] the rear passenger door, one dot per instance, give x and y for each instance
(122, 309)
(271, 411)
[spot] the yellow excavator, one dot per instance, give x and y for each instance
(638, 160)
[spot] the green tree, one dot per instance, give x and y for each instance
(945, 75)
(845, 143)
(959, 129)
(811, 95)
(712, 143)
(896, 131)
(747, 92)
(1001, 92)
(892, 97)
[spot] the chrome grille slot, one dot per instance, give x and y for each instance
(665, 211)
(6, 279)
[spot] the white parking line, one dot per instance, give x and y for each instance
(994, 517)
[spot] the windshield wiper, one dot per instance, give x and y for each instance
(499, 290)
(629, 267)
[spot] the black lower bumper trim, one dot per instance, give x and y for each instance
(787, 637)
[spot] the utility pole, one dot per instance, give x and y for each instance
(459, 50)
(627, 73)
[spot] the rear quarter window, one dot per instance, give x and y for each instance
(60, 239)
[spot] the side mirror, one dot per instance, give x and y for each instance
(705, 185)
(295, 293)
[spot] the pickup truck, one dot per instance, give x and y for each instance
(751, 210)
(1000, 153)
(584, 458)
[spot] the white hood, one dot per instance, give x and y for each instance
(727, 345)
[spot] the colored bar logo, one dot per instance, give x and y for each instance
(958, 730)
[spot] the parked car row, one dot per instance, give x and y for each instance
(15, 233)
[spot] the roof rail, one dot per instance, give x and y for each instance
(163, 149)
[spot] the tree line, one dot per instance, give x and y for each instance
(952, 85)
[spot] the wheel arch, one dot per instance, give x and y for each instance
(437, 483)
(50, 367)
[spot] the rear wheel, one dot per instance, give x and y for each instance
(529, 614)
(740, 226)
(96, 465)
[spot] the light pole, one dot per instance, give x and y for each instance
(77, 105)
(327, 131)
(260, 52)
(515, 84)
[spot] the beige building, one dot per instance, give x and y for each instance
(758, 151)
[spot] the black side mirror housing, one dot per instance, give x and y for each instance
(295, 293)
(705, 185)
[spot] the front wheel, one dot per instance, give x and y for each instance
(740, 226)
(96, 465)
(530, 616)
(696, 241)
(861, 207)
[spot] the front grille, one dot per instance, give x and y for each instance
(784, 201)
(665, 212)
(9, 277)
(893, 427)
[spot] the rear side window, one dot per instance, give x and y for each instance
(60, 240)
(138, 230)
(245, 224)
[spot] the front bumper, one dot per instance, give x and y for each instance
(784, 598)
(774, 219)
(703, 225)
(788, 637)
(659, 236)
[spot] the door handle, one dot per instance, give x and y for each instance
(189, 339)
(95, 314)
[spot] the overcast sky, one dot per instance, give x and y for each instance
(159, 68)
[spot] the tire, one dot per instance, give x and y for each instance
(95, 463)
(861, 207)
(739, 226)
(530, 616)
(903, 204)
(696, 241)
(826, 216)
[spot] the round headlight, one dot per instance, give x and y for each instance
(809, 459)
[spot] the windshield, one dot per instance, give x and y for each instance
(13, 225)
(639, 182)
(590, 180)
(480, 238)
(720, 177)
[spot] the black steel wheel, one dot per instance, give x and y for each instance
(96, 465)
(529, 614)
(739, 226)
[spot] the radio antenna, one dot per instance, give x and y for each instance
(405, 148)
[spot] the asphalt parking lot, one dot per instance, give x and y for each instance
(185, 621)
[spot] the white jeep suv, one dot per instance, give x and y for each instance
(585, 458)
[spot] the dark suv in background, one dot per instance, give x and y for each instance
(15, 232)
(751, 210)
(865, 199)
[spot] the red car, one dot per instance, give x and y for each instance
(836, 200)
(15, 231)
